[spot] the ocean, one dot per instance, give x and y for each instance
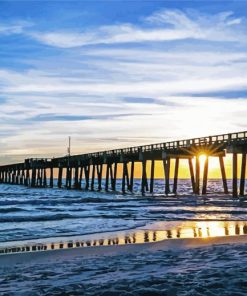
(35, 213)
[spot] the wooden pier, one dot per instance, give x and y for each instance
(88, 167)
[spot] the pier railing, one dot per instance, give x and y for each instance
(226, 139)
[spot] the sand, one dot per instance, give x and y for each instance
(209, 266)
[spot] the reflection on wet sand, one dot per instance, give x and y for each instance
(189, 229)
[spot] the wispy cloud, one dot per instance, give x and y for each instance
(165, 25)
(67, 117)
(16, 27)
(46, 85)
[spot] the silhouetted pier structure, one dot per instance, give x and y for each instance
(88, 167)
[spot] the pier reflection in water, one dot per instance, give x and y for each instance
(156, 232)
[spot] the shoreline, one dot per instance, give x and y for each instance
(175, 245)
(152, 233)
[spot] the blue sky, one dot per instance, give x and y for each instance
(118, 73)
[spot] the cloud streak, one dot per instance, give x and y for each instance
(166, 25)
(18, 27)
(64, 117)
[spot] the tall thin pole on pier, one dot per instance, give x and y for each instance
(69, 148)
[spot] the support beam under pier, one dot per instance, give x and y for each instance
(107, 176)
(60, 177)
(166, 165)
(99, 174)
(175, 181)
(223, 174)
(33, 181)
(243, 174)
(51, 177)
(144, 177)
(152, 176)
(93, 177)
(235, 174)
(44, 178)
(76, 177)
(205, 176)
(197, 184)
(192, 175)
(87, 176)
(123, 178)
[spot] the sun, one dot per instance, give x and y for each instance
(213, 165)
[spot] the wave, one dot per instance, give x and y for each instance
(54, 202)
(61, 217)
(11, 210)
(36, 218)
(194, 212)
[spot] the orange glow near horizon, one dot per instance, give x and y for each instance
(183, 173)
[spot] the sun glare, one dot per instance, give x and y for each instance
(202, 159)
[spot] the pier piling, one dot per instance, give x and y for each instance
(243, 174)
(197, 183)
(175, 181)
(205, 176)
(152, 176)
(235, 174)
(223, 174)
(192, 175)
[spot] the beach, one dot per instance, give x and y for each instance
(213, 266)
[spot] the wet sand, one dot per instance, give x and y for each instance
(173, 244)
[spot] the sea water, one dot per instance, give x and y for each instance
(35, 213)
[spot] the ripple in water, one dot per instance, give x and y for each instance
(29, 213)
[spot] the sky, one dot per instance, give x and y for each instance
(117, 73)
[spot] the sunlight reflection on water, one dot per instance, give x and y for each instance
(155, 232)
